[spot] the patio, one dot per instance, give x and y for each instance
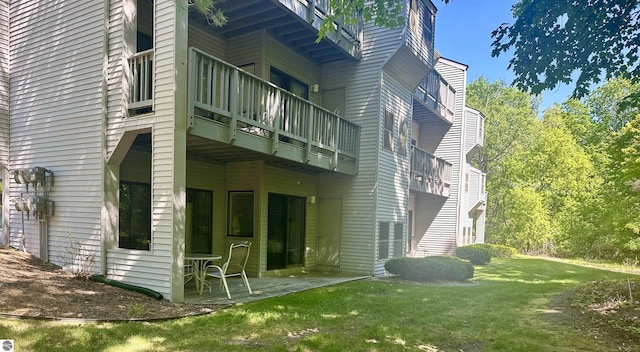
(265, 287)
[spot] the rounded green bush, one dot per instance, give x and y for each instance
(475, 254)
(431, 268)
(498, 250)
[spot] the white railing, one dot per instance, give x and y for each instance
(243, 101)
(438, 95)
(351, 31)
(429, 173)
(141, 80)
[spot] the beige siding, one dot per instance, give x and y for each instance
(4, 84)
(436, 217)
(248, 49)
(153, 268)
(56, 117)
(359, 194)
(393, 169)
(284, 59)
(207, 41)
(246, 176)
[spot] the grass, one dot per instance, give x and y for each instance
(507, 310)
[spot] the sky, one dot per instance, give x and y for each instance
(463, 34)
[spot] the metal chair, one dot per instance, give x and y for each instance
(233, 266)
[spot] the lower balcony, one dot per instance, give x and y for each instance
(236, 108)
(429, 174)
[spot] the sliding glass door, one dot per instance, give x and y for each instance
(286, 242)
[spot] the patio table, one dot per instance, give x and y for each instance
(199, 263)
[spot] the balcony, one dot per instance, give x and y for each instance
(140, 73)
(437, 95)
(234, 107)
(474, 130)
(430, 174)
(295, 23)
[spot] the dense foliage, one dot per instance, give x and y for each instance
(567, 183)
(551, 41)
(475, 254)
(436, 268)
(498, 251)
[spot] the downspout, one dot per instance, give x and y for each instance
(104, 87)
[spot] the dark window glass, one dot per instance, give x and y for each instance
(135, 215)
(383, 240)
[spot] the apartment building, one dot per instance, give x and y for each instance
(138, 133)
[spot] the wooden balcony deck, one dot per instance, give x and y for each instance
(232, 106)
(437, 95)
(430, 174)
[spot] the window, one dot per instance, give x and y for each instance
(481, 129)
(466, 182)
(383, 240)
(144, 25)
(135, 215)
(289, 83)
(199, 215)
(240, 222)
(397, 240)
(403, 137)
(388, 130)
(427, 31)
(483, 181)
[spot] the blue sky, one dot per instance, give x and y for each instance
(463, 34)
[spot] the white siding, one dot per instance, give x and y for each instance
(56, 116)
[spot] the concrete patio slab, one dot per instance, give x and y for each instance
(265, 287)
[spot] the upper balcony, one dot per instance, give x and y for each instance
(233, 107)
(475, 191)
(430, 174)
(437, 95)
(295, 23)
(474, 130)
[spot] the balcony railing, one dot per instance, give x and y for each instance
(430, 174)
(437, 95)
(141, 80)
(246, 103)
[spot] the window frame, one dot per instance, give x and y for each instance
(132, 207)
(387, 138)
(398, 239)
(243, 229)
(383, 244)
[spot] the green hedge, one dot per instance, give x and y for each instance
(431, 268)
(498, 250)
(475, 254)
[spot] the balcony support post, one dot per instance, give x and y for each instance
(310, 123)
(234, 90)
(336, 144)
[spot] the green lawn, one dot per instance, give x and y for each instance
(507, 310)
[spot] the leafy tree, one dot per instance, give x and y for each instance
(551, 40)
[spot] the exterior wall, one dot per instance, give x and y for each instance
(56, 84)
(206, 41)
(437, 218)
(393, 168)
(160, 267)
(4, 120)
(4, 84)
(282, 181)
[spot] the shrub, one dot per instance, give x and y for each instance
(498, 250)
(475, 254)
(430, 268)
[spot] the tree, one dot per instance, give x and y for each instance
(383, 13)
(553, 39)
